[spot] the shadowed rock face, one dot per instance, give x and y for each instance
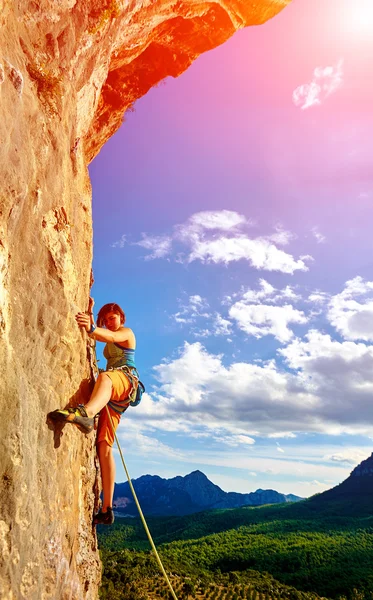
(68, 71)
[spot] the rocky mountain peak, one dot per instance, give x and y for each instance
(364, 469)
(197, 477)
(355, 491)
(186, 495)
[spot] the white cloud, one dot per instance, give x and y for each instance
(222, 220)
(317, 483)
(351, 318)
(352, 456)
(189, 312)
(256, 296)
(197, 301)
(245, 439)
(149, 444)
(325, 81)
(179, 318)
(281, 236)
(316, 345)
(318, 297)
(319, 237)
(307, 94)
(201, 333)
(264, 319)
(319, 385)
(220, 237)
(288, 294)
(259, 319)
(210, 223)
(120, 243)
(218, 447)
(196, 309)
(328, 390)
(183, 379)
(282, 434)
(265, 292)
(159, 246)
(259, 252)
(217, 327)
(221, 326)
(306, 257)
(234, 441)
(340, 376)
(298, 464)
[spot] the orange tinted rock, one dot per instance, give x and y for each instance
(68, 72)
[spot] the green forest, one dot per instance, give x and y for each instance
(305, 550)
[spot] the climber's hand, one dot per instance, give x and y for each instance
(91, 304)
(83, 320)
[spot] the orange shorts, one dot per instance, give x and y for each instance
(121, 389)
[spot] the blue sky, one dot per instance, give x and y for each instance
(232, 215)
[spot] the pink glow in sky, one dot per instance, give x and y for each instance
(270, 134)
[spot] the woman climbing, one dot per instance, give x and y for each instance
(115, 388)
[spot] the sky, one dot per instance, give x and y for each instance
(232, 217)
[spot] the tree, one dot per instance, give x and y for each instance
(233, 577)
(189, 589)
(357, 595)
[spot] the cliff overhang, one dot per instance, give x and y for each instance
(69, 70)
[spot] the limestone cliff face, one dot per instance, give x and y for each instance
(68, 71)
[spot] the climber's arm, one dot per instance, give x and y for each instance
(101, 334)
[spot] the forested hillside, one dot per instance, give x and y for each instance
(131, 575)
(322, 546)
(317, 549)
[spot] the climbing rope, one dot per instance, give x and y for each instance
(95, 371)
(140, 511)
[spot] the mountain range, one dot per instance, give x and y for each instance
(187, 495)
(353, 496)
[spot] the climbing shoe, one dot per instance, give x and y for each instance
(104, 518)
(77, 415)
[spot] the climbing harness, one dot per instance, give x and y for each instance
(136, 392)
(136, 401)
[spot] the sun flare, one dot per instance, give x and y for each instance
(359, 17)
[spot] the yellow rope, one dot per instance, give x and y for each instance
(140, 511)
(96, 370)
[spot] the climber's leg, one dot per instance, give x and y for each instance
(100, 396)
(82, 416)
(105, 516)
(107, 425)
(107, 464)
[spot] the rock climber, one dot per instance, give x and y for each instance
(115, 388)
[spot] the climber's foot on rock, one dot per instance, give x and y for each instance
(104, 518)
(77, 416)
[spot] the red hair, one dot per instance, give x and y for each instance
(110, 308)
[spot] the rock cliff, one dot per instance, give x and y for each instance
(68, 71)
